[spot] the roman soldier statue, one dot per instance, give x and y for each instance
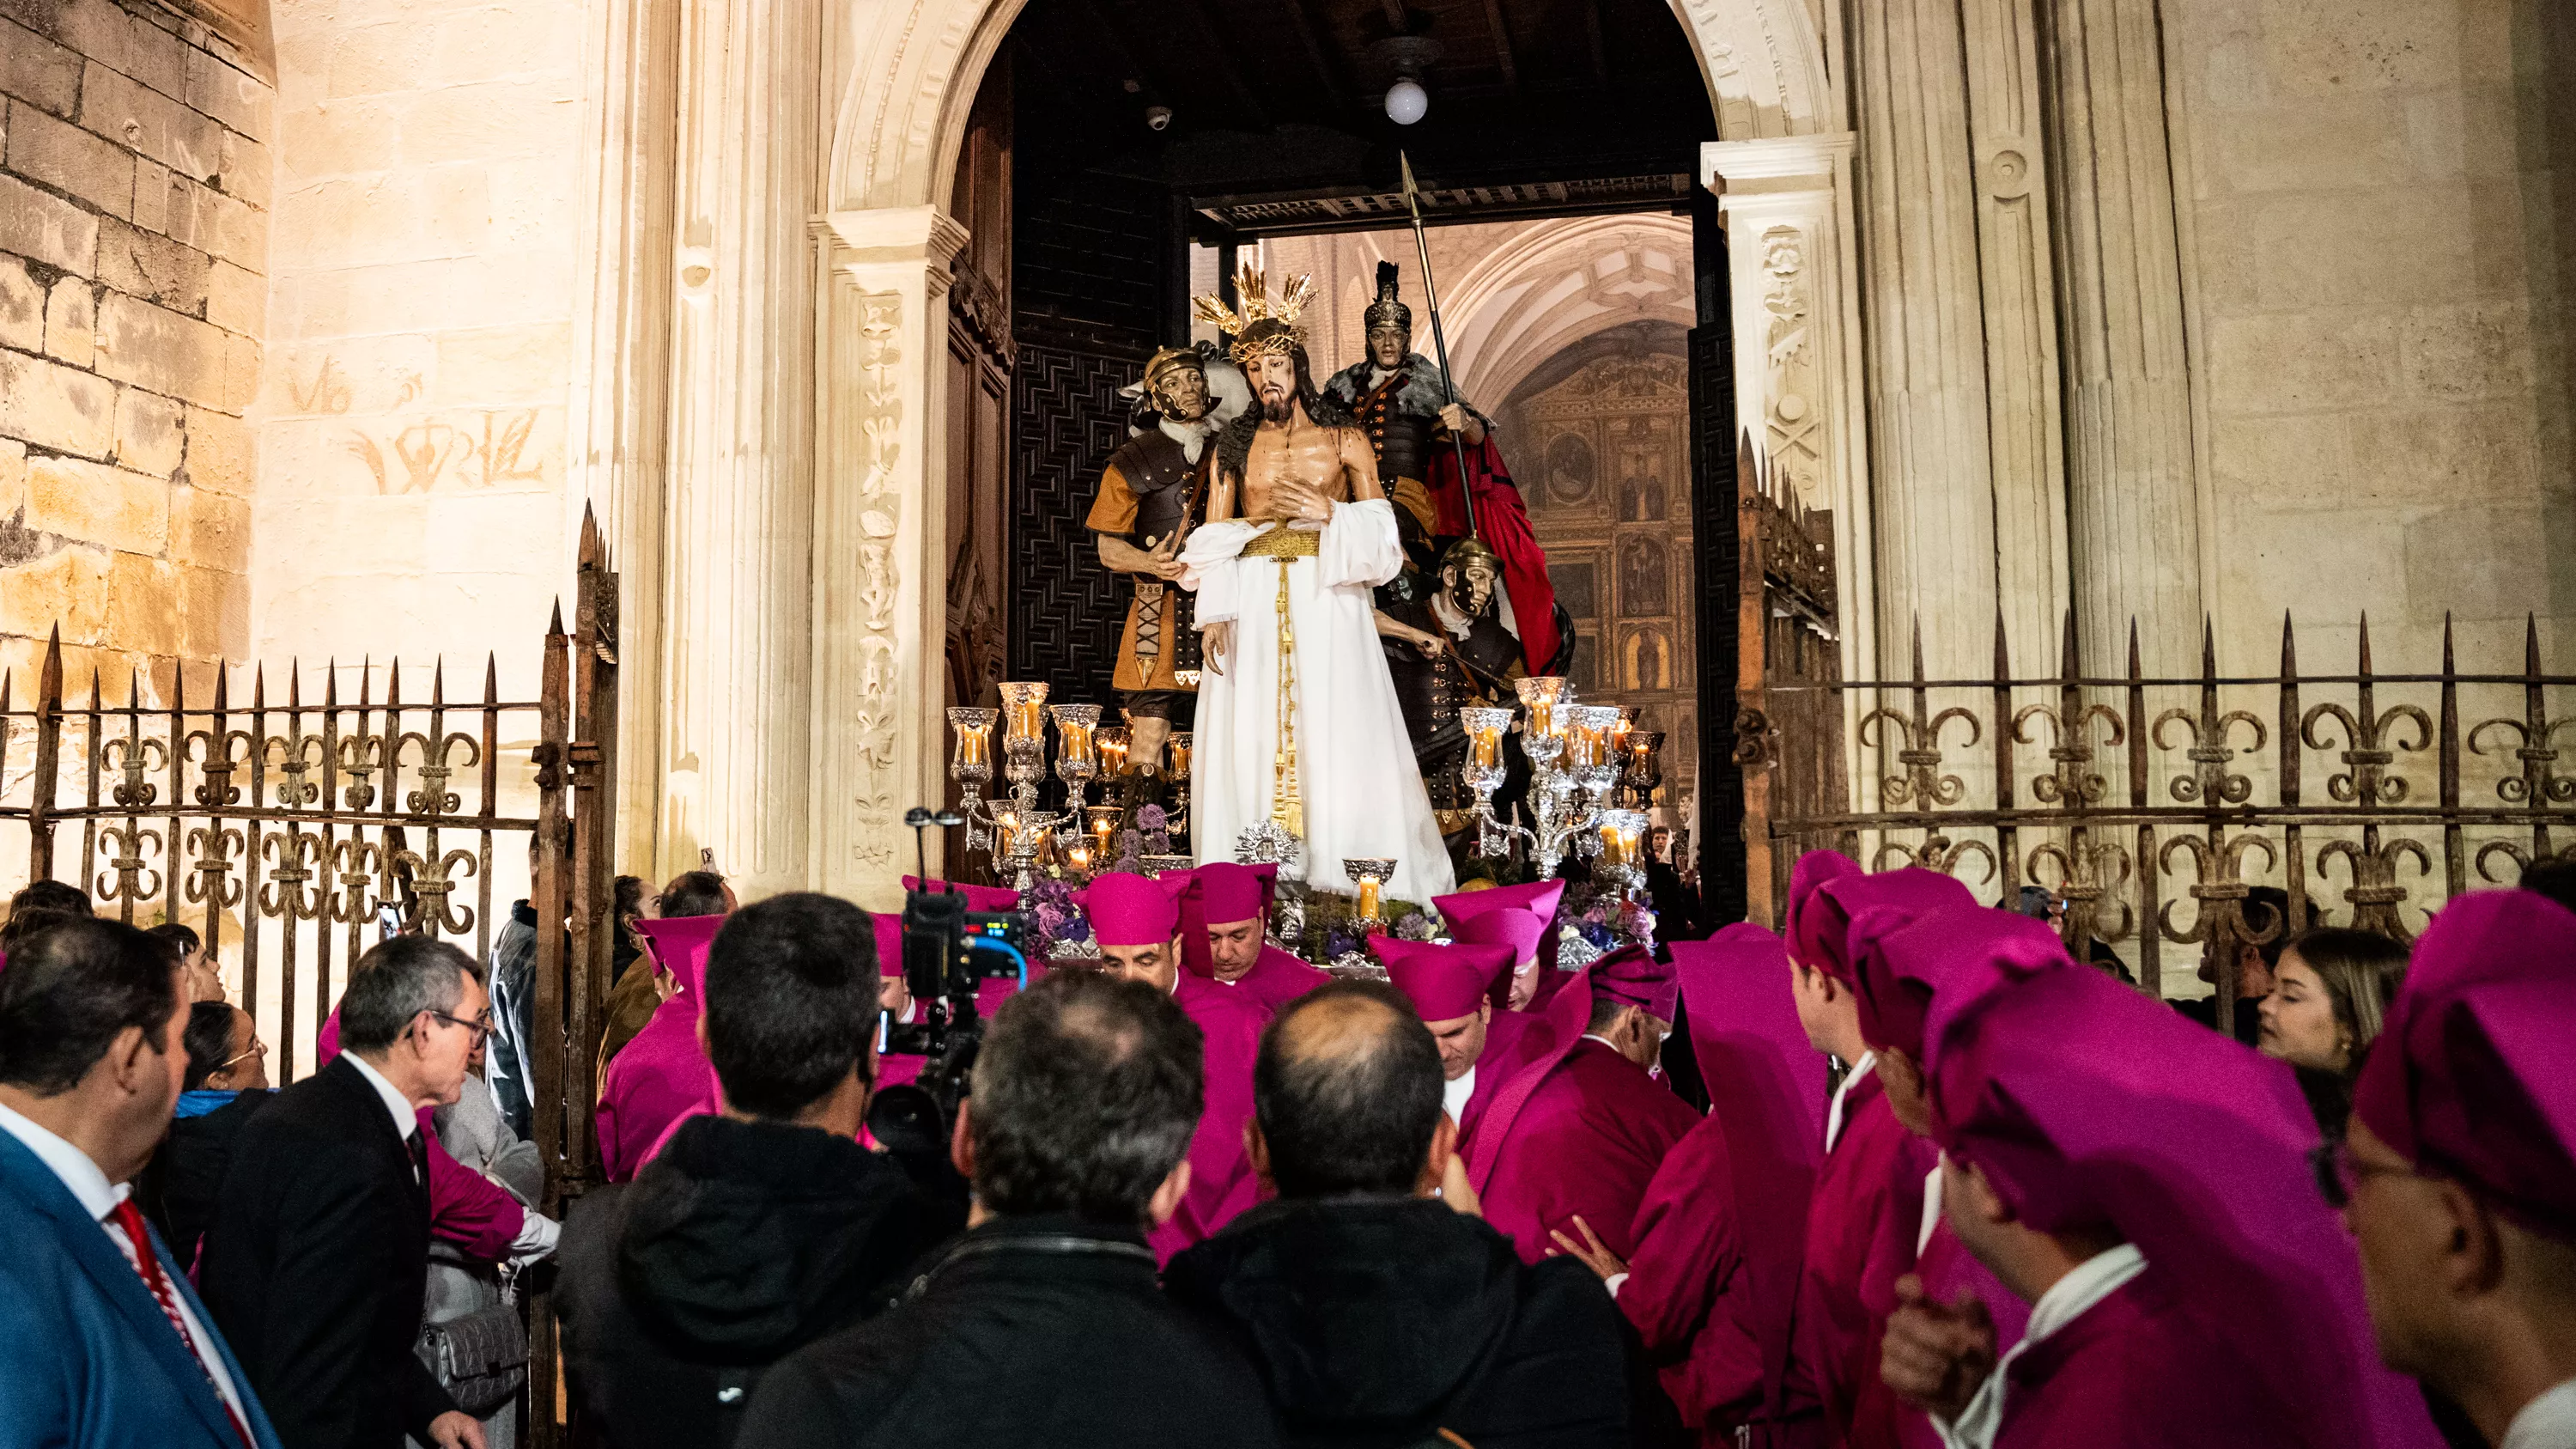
(1150, 490)
(1452, 652)
(1421, 438)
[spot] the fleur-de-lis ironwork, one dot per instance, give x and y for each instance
(294, 858)
(133, 759)
(217, 758)
(2375, 894)
(361, 756)
(434, 883)
(2220, 890)
(358, 863)
(1937, 853)
(1920, 754)
(297, 756)
(2087, 872)
(129, 864)
(433, 797)
(211, 878)
(2368, 733)
(2538, 751)
(2211, 782)
(2070, 783)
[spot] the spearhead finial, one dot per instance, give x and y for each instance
(1411, 192)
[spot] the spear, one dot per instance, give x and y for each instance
(1439, 340)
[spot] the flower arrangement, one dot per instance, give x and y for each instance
(1062, 928)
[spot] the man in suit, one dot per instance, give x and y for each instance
(318, 1255)
(101, 1341)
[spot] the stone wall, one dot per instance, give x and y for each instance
(134, 239)
(412, 415)
(2376, 270)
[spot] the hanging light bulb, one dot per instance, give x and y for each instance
(1406, 101)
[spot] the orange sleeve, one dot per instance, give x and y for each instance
(1113, 509)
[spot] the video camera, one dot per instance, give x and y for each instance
(948, 953)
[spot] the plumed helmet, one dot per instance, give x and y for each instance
(1386, 311)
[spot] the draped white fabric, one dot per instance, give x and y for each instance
(1363, 794)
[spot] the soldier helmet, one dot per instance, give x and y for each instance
(1386, 311)
(1471, 550)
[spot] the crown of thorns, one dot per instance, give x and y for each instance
(1259, 306)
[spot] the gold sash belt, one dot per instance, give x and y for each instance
(1284, 543)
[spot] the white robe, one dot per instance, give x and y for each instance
(1362, 791)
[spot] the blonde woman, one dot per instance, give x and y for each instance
(2330, 990)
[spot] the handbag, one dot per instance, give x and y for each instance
(481, 1359)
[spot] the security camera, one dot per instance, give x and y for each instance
(1158, 117)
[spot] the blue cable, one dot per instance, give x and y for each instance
(992, 943)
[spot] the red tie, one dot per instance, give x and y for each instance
(148, 1263)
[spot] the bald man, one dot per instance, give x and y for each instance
(1374, 1307)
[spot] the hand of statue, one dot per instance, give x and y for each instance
(1936, 1355)
(1163, 559)
(1294, 500)
(1429, 643)
(1465, 424)
(1215, 640)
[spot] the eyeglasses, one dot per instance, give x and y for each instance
(258, 1048)
(2340, 1174)
(480, 1026)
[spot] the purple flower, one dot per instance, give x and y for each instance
(1151, 818)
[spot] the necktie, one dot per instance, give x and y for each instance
(147, 1263)
(418, 1144)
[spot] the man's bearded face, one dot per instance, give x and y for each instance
(1388, 346)
(1274, 381)
(1470, 585)
(1183, 394)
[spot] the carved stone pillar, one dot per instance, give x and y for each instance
(2132, 500)
(879, 540)
(1960, 362)
(734, 743)
(1787, 209)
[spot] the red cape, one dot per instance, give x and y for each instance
(1503, 523)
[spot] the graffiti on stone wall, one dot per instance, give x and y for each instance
(478, 448)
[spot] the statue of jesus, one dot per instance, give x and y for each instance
(1299, 732)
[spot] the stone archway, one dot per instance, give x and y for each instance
(909, 70)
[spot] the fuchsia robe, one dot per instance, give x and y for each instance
(1512, 1041)
(1276, 979)
(662, 1075)
(1222, 1182)
(2135, 1371)
(1766, 1088)
(1689, 1291)
(1861, 1228)
(1588, 1141)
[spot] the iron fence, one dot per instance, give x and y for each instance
(2151, 809)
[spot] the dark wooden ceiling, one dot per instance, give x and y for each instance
(1282, 100)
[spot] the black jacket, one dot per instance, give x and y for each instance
(1026, 1332)
(741, 1242)
(178, 1187)
(315, 1265)
(1381, 1321)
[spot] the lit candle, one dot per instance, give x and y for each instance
(973, 759)
(1025, 701)
(1074, 724)
(1104, 826)
(1541, 694)
(1179, 745)
(1484, 726)
(1113, 743)
(1368, 899)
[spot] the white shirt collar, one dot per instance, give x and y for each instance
(2068, 1299)
(1931, 1209)
(1454, 1095)
(80, 1176)
(406, 1117)
(1834, 1114)
(2547, 1422)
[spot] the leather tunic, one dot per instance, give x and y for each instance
(1160, 476)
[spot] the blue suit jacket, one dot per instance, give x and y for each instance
(87, 1358)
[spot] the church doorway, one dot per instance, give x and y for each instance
(1120, 158)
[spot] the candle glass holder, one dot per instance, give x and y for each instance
(1370, 874)
(1623, 837)
(1102, 821)
(1157, 864)
(1076, 762)
(970, 764)
(1112, 741)
(1542, 735)
(1176, 749)
(1485, 726)
(1589, 757)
